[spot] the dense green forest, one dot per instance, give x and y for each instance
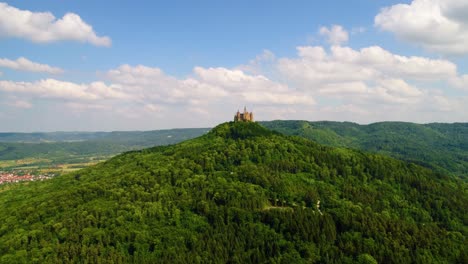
(238, 194)
(443, 147)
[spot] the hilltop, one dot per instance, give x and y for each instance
(238, 194)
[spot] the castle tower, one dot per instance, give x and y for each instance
(243, 117)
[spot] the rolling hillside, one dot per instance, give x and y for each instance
(443, 147)
(239, 194)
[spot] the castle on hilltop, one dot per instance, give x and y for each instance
(244, 117)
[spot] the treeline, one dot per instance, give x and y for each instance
(240, 194)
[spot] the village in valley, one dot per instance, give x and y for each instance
(32, 168)
(22, 176)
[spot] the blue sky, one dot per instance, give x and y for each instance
(162, 64)
(176, 35)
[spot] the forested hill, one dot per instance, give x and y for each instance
(443, 147)
(239, 194)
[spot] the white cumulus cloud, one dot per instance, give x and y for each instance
(43, 27)
(437, 25)
(205, 84)
(251, 88)
(148, 83)
(51, 88)
(140, 91)
(374, 83)
(336, 35)
(315, 66)
(387, 63)
(23, 64)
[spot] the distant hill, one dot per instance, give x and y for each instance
(443, 147)
(125, 137)
(238, 194)
(65, 146)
